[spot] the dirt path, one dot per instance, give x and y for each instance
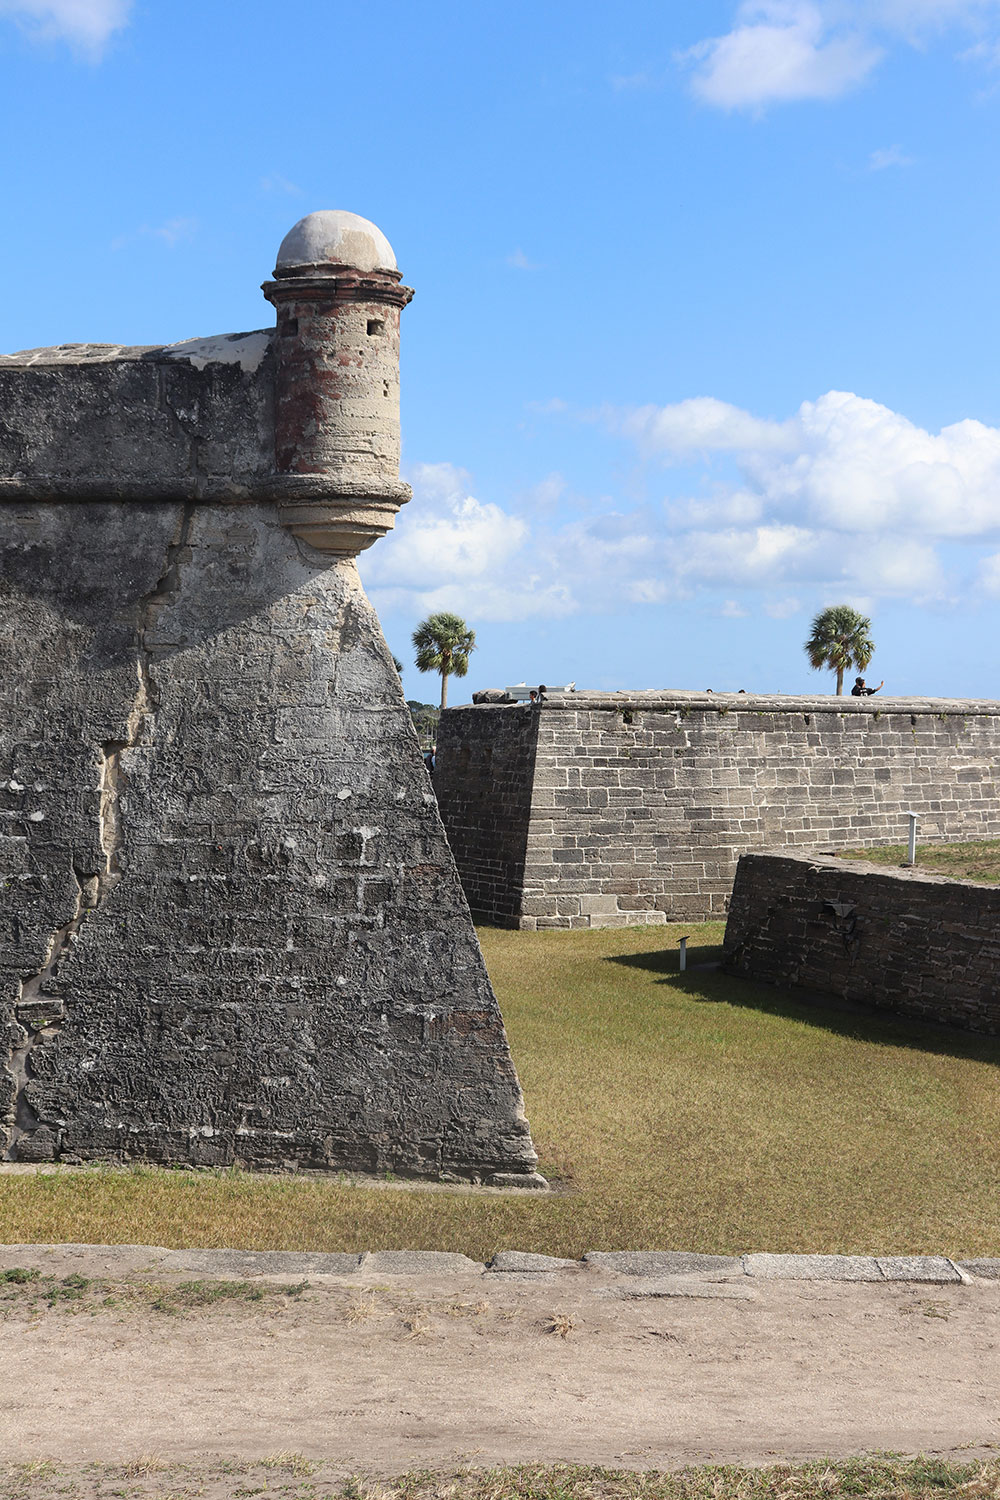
(384, 1373)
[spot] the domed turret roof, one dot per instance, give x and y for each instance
(338, 238)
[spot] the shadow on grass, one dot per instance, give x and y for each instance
(665, 960)
(703, 981)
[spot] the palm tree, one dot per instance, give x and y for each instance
(443, 642)
(839, 640)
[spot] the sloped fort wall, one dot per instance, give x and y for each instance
(600, 810)
(898, 940)
(231, 930)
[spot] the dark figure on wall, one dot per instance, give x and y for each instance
(860, 691)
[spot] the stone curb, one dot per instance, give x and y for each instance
(761, 1266)
(659, 1262)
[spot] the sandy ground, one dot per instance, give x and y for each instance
(383, 1374)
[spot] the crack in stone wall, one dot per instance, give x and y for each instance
(272, 963)
(166, 588)
(40, 1009)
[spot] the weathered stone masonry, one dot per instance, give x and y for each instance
(601, 810)
(231, 928)
(898, 940)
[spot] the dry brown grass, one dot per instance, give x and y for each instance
(976, 859)
(561, 1324)
(291, 1477)
(687, 1111)
(363, 1308)
(418, 1324)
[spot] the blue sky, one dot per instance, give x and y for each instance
(707, 315)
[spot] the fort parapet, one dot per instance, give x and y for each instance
(231, 930)
(605, 809)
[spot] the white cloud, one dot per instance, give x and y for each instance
(275, 183)
(520, 261)
(774, 554)
(842, 462)
(454, 537)
(844, 500)
(703, 423)
(529, 596)
(914, 18)
(779, 50)
(648, 591)
(552, 407)
(86, 24)
(733, 507)
(452, 551)
(758, 554)
(889, 156)
(172, 232)
(782, 609)
(546, 493)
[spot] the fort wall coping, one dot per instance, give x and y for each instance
(658, 700)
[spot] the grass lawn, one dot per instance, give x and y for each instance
(687, 1111)
(287, 1476)
(977, 859)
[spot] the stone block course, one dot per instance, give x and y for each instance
(235, 933)
(665, 805)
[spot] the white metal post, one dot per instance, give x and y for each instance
(684, 954)
(912, 855)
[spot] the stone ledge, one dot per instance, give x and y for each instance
(416, 1262)
(982, 1270)
(658, 1262)
(525, 1261)
(821, 859)
(660, 1272)
(930, 1268)
(813, 1267)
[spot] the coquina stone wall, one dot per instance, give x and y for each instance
(232, 930)
(896, 939)
(634, 808)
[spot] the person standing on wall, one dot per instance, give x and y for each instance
(860, 691)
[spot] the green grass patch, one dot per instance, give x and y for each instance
(694, 1111)
(290, 1477)
(978, 859)
(27, 1290)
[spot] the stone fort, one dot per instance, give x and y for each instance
(232, 928)
(609, 809)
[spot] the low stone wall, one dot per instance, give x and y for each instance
(896, 939)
